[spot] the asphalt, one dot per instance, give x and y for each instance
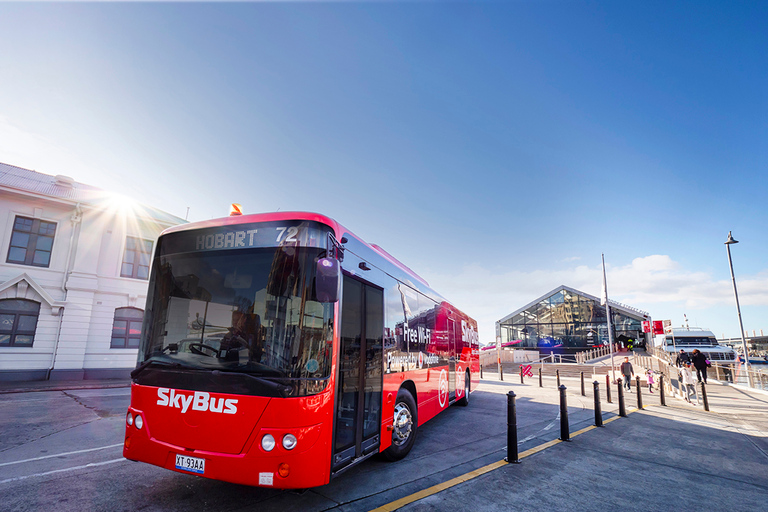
(671, 457)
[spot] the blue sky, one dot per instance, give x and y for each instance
(495, 148)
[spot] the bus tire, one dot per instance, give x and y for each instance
(404, 425)
(464, 401)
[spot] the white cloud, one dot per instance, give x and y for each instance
(654, 283)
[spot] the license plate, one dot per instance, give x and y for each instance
(192, 464)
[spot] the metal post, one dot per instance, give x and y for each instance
(620, 387)
(583, 393)
(557, 372)
(565, 431)
(522, 381)
(608, 388)
(738, 309)
(661, 390)
(598, 412)
(541, 384)
(481, 371)
(704, 395)
(512, 455)
(639, 393)
(501, 372)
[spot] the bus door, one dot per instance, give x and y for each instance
(359, 386)
(451, 359)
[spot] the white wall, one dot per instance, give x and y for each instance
(91, 293)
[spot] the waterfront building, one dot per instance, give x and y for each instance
(566, 320)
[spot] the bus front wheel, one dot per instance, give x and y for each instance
(403, 426)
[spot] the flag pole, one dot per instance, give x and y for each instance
(608, 317)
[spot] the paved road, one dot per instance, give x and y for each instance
(62, 450)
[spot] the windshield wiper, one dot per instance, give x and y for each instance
(282, 389)
(146, 364)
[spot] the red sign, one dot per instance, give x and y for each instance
(646, 326)
(658, 327)
(527, 370)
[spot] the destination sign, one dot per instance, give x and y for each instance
(246, 236)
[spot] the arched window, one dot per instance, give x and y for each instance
(18, 321)
(126, 330)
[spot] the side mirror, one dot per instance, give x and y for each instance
(328, 280)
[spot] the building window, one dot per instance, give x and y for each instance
(136, 258)
(18, 321)
(126, 331)
(31, 242)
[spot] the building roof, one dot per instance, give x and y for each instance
(627, 310)
(66, 189)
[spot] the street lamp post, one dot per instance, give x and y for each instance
(738, 309)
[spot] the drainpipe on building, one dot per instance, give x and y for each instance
(55, 344)
(76, 219)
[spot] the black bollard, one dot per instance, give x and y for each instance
(620, 388)
(704, 395)
(583, 393)
(608, 388)
(501, 372)
(598, 412)
(481, 371)
(661, 390)
(522, 381)
(565, 431)
(639, 393)
(541, 383)
(512, 455)
(557, 372)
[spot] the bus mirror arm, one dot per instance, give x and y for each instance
(328, 280)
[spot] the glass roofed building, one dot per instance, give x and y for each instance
(567, 320)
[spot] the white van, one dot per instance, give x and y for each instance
(695, 337)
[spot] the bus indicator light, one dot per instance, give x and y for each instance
(284, 470)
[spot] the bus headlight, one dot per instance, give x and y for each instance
(289, 441)
(268, 443)
(138, 421)
(129, 419)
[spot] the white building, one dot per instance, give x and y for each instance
(73, 277)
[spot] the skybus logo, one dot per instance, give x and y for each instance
(200, 401)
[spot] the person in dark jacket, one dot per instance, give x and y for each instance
(627, 371)
(699, 361)
(682, 358)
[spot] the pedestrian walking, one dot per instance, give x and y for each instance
(649, 377)
(701, 363)
(682, 358)
(688, 385)
(627, 372)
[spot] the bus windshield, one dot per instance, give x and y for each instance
(247, 316)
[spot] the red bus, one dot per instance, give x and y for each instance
(279, 350)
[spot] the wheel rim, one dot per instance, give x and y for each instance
(403, 424)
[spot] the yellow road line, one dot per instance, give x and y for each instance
(389, 507)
